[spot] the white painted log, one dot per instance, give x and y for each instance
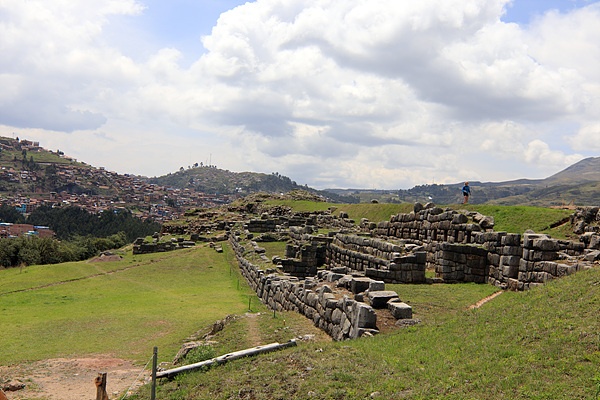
(226, 357)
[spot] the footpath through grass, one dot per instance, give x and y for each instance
(122, 308)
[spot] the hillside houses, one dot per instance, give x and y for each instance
(49, 178)
(8, 230)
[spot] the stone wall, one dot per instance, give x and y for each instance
(341, 316)
(464, 248)
(541, 262)
(141, 247)
(376, 258)
(434, 225)
(504, 256)
(461, 263)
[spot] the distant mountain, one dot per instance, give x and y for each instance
(28, 169)
(578, 184)
(212, 180)
(586, 170)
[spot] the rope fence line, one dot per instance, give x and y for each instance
(126, 394)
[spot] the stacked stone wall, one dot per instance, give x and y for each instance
(539, 262)
(505, 251)
(376, 258)
(141, 247)
(306, 253)
(262, 225)
(464, 248)
(430, 225)
(342, 318)
(461, 263)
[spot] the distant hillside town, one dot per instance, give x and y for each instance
(31, 176)
(8, 230)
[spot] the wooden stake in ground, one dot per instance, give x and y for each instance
(100, 382)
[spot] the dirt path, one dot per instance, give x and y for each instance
(485, 300)
(72, 379)
(253, 332)
(81, 278)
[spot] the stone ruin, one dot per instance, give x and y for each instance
(457, 246)
(140, 246)
(334, 301)
(338, 279)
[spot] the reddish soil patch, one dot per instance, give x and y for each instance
(105, 258)
(485, 300)
(72, 379)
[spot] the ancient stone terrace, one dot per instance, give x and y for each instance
(457, 246)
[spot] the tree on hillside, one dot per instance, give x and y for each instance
(69, 222)
(11, 215)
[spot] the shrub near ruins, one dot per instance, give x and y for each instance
(34, 250)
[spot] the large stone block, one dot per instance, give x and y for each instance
(380, 299)
(546, 244)
(327, 298)
(513, 261)
(358, 284)
(363, 316)
(400, 310)
(375, 286)
(529, 238)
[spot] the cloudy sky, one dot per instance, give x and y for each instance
(382, 94)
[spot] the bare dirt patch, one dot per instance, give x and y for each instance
(106, 258)
(485, 300)
(72, 379)
(253, 332)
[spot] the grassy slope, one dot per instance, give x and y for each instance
(153, 303)
(512, 219)
(541, 344)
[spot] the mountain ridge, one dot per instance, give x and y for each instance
(578, 184)
(28, 168)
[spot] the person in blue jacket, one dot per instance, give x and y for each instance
(466, 190)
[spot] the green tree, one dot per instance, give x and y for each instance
(11, 215)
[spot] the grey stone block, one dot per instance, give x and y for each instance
(400, 310)
(380, 299)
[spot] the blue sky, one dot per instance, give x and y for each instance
(522, 11)
(181, 23)
(360, 93)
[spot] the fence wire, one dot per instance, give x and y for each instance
(126, 394)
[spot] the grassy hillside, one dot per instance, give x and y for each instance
(512, 219)
(541, 344)
(120, 307)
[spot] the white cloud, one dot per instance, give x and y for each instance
(538, 152)
(587, 138)
(361, 92)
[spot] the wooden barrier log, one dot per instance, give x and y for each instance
(227, 357)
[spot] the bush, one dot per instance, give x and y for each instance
(34, 250)
(200, 353)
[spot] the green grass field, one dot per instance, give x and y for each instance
(121, 308)
(540, 344)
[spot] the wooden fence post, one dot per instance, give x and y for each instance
(154, 366)
(100, 382)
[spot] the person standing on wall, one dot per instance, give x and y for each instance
(466, 190)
